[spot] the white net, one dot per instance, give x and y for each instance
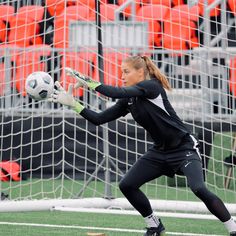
(62, 156)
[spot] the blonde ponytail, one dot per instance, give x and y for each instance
(150, 69)
(154, 71)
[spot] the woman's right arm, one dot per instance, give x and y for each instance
(66, 98)
(111, 113)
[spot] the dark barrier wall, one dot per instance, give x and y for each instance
(39, 146)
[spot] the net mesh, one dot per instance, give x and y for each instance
(63, 156)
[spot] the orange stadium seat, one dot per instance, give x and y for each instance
(62, 21)
(167, 3)
(81, 12)
(3, 31)
(6, 12)
(80, 61)
(90, 3)
(159, 2)
(107, 12)
(184, 11)
(214, 12)
(232, 6)
(34, 12)
(177, 2)
(112, 68)
(128, 10)
(55, 7)
(23, 31)
(232, 77)
(179, 34)
(86, 3)
(29, 61)
(153, 14)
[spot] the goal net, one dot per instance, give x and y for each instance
(54, 157)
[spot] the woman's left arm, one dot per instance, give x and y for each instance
(146, 88)
(120, 92)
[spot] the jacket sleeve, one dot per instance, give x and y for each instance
(111, 113)
(147, 88)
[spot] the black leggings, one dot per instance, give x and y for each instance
(143, 171)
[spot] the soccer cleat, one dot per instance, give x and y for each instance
(233, 234)
(156, 231)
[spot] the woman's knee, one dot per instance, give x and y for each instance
(197, 187)
(201, 192)
(200, 189)
(125, 185)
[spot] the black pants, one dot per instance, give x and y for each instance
(155, 164)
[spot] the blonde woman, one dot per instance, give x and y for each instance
(174, 149)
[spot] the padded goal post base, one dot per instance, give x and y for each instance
(102, 203)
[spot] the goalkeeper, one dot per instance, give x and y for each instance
(174, 149)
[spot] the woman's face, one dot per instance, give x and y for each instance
(130, 75)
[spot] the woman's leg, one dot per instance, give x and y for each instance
(194, 173)
(141, 172)
(144, 170)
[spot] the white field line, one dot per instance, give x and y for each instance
(98, 228)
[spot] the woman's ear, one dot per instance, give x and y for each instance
(141, 73)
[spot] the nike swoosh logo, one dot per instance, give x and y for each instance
(189, 154)
(187, 164)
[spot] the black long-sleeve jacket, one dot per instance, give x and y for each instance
(148, 103)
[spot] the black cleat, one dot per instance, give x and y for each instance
(233, 234)
(156, 231)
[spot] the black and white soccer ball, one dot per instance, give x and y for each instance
(39, 85)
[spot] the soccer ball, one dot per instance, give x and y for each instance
(39, 85)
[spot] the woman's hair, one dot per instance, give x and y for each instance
(150, 69)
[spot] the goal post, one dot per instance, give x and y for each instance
(60, 154)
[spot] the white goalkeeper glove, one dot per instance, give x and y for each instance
(82, 80)
(66, 98)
